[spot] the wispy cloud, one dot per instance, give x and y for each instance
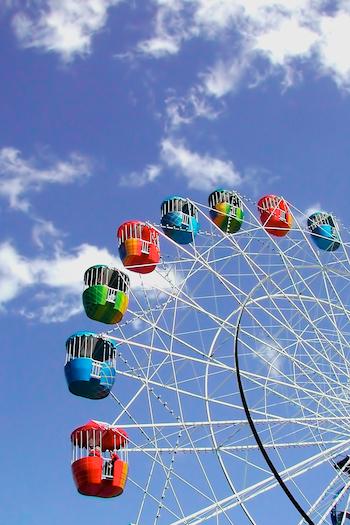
(271, 357)
(284, 32)
(186, 109)
(44, 232)
(138, 179)
(15, 273)
(301, 216)
(258, 179)
(200, 171)
(53, 307)
(169, 30)
(20, 177)
(56, 281)
(65, 27)
(225, 76)
(159, 46)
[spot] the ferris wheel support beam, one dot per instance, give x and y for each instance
(326, 280)
(228, 422)
(157, 460)
(227, 448)
(229, 326)
(202, 397)
(175, 354)
(213, 361)
(339, 496)
(213, 435)
(262, 486)
(230, 287)
(255, 301)
(327, 490)
(285, 258)
(251, 422)
(182, 418)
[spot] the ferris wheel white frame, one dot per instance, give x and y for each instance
(178, 294)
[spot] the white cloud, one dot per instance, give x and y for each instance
(54, 307)
(170, 28)
(301, 216)
(216, 15)
(312, 209)
(201, 171)
(196, 104)
(289, 39)
(19, 176)
(15, 273)
(334, 47)
(159, 46)
(224, 77)
(284, 32)
(272, 358)
(57, 281)
(44, 231)
(136, 179)
(65, 27)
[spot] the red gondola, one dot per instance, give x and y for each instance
(275, 215)
(138, 246)
(95, 472)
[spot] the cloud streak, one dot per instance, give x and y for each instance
(283, 32)
(20, 177)
(200, 171)
(136, 180)
(66, 27)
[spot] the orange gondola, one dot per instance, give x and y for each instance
(275, 215)
(138, 245)
(99, 463)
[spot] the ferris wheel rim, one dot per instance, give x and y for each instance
(250, 420)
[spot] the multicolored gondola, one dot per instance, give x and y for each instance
(138, 245)
(226, 210)
(106, 294)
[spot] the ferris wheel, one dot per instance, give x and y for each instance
(226, 352)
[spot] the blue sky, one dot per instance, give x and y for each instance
(106, 107)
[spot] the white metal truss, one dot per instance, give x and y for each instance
(193, 458)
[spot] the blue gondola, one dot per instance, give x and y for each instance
(90, 365)
(179, 219)
(324, 231)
